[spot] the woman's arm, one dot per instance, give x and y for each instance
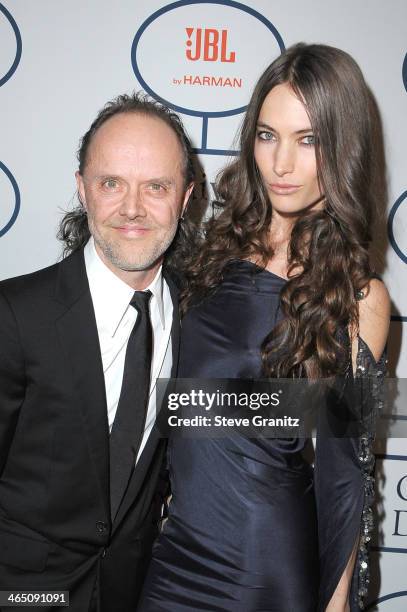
(374, 321)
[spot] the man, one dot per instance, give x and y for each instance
(81, 345)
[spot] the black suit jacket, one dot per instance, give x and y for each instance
(55, 528)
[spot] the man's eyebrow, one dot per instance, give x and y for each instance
(107, 176)
(268, 127)
(161, 179)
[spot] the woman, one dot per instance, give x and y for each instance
(282, 287)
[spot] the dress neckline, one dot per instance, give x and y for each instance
(251, 263)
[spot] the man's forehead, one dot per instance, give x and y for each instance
(129, 126)
(136, 135)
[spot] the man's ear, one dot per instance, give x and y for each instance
(187, 195)
(81, 188)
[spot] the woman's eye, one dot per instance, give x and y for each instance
(309, 140)
(263, 135)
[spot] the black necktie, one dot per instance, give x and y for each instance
(128, 426)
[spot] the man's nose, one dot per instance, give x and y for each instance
(132, 205)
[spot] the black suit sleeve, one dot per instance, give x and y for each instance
(12, 377)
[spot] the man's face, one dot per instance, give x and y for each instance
(134, 192)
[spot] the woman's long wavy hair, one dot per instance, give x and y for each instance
(74, 231)
(328, 261)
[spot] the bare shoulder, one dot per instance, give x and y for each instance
(374, 316)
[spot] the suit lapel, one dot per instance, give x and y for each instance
(146, 457)
(79, 338)
(176, 327)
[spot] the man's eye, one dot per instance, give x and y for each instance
(156, 187)
(111, 184)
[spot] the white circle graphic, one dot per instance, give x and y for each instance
(9, 198)
(398, 227)
(213, 52)
(11, 45)
(8, 45)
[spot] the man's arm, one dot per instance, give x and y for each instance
(12, 377)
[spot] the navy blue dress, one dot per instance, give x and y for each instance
(243, 531)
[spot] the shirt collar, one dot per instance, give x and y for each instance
(111, 296)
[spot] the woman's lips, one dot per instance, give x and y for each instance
(283, 188)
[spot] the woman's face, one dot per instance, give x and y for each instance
(285, 154)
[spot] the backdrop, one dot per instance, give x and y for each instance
(61, 61)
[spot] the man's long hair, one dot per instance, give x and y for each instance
(328, 246)
(74, 230)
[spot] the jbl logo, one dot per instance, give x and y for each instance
(210, 45)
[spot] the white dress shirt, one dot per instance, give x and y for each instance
(115, 319)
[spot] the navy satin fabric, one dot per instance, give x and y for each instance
(242, 527)
(249, 517)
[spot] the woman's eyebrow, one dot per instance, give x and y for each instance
(268, 127)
